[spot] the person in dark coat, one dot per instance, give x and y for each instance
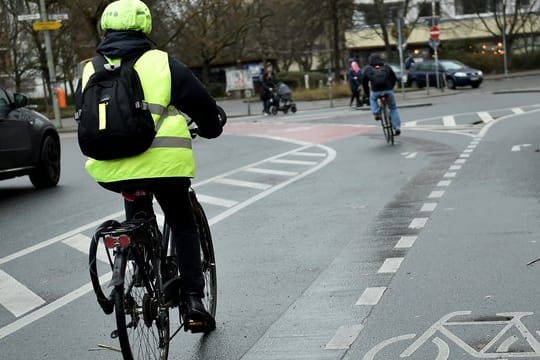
(267, 88)
(355, 82)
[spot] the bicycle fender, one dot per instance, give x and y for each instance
(119, 268)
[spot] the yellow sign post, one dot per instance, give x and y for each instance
(46, 25)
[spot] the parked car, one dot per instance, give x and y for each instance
(401, 76)
(29, 142)
(451, 72)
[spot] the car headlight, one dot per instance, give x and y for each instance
(460, 74)
(480, 73)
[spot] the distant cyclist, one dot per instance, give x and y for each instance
(380, 79)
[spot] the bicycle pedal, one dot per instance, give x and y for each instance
(199, 326)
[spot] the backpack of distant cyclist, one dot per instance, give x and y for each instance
(113, 119)
(379, 76)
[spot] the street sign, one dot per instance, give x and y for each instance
(434, 32)
(434, 43)
(46, 25)
(26, 17)
(58, 16)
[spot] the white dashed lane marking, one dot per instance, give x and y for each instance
(390, 265)
(371, 296)
(406, 242)
(16, 297)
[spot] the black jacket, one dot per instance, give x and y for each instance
(188, 94)
(372, 78)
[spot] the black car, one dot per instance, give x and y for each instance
(451, 72)
(29, 142)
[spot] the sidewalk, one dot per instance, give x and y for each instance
(241, 107)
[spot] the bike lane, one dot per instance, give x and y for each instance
(463, 289)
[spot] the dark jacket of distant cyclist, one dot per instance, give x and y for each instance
(380, 79)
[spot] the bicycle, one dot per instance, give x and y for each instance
(386, 122)
(142, 260)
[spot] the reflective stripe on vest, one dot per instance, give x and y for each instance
(170, 154)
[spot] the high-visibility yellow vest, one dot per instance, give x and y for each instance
(170, 154)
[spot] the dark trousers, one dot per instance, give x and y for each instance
(172, 194)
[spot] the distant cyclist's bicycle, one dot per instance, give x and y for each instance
(386, 122)
(142, 260)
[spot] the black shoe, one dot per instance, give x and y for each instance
(397, 132)
(196, 318)
(377, 116)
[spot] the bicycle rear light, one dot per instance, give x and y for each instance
(122, 241)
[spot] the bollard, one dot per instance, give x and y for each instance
(61, 98)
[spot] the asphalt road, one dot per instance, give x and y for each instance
(347, 248)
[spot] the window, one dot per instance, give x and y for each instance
(425, 9)
(467, 7)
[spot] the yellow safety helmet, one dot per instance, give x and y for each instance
(127, 15)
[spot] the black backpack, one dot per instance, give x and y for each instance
(113, 119)
(379, 76)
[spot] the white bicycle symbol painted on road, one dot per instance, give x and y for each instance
(499, 347)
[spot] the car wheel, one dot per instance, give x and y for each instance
(47, 172)
(450, 83)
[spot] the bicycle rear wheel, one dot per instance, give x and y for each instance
(142, 320)
(387, 125)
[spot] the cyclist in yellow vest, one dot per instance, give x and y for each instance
(166, 167)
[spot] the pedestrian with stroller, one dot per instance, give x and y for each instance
(267, 87)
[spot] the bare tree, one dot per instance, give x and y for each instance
(510, 19)
(381, 16)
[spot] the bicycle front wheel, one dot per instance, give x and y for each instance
(208, 258)
(142, 321)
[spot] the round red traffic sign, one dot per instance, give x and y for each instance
(434, 32)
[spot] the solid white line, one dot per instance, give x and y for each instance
(449, 121)
(518, 110)
(47, 309)
(428, 207)
(485, 117)
(444, 183)
(242, 183)
(16, 297)
(344, 337)
(436, 194)
(58, 238)
(410, 123)
(371, 296)
(405, 242)
(390, 265)
(293, 162)
(329, 158)
(211, 200)
(418, 223)
(271, 171)
(307, 153)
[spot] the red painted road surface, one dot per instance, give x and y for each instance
(310, 133)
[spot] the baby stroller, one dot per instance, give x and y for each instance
(281, 99)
